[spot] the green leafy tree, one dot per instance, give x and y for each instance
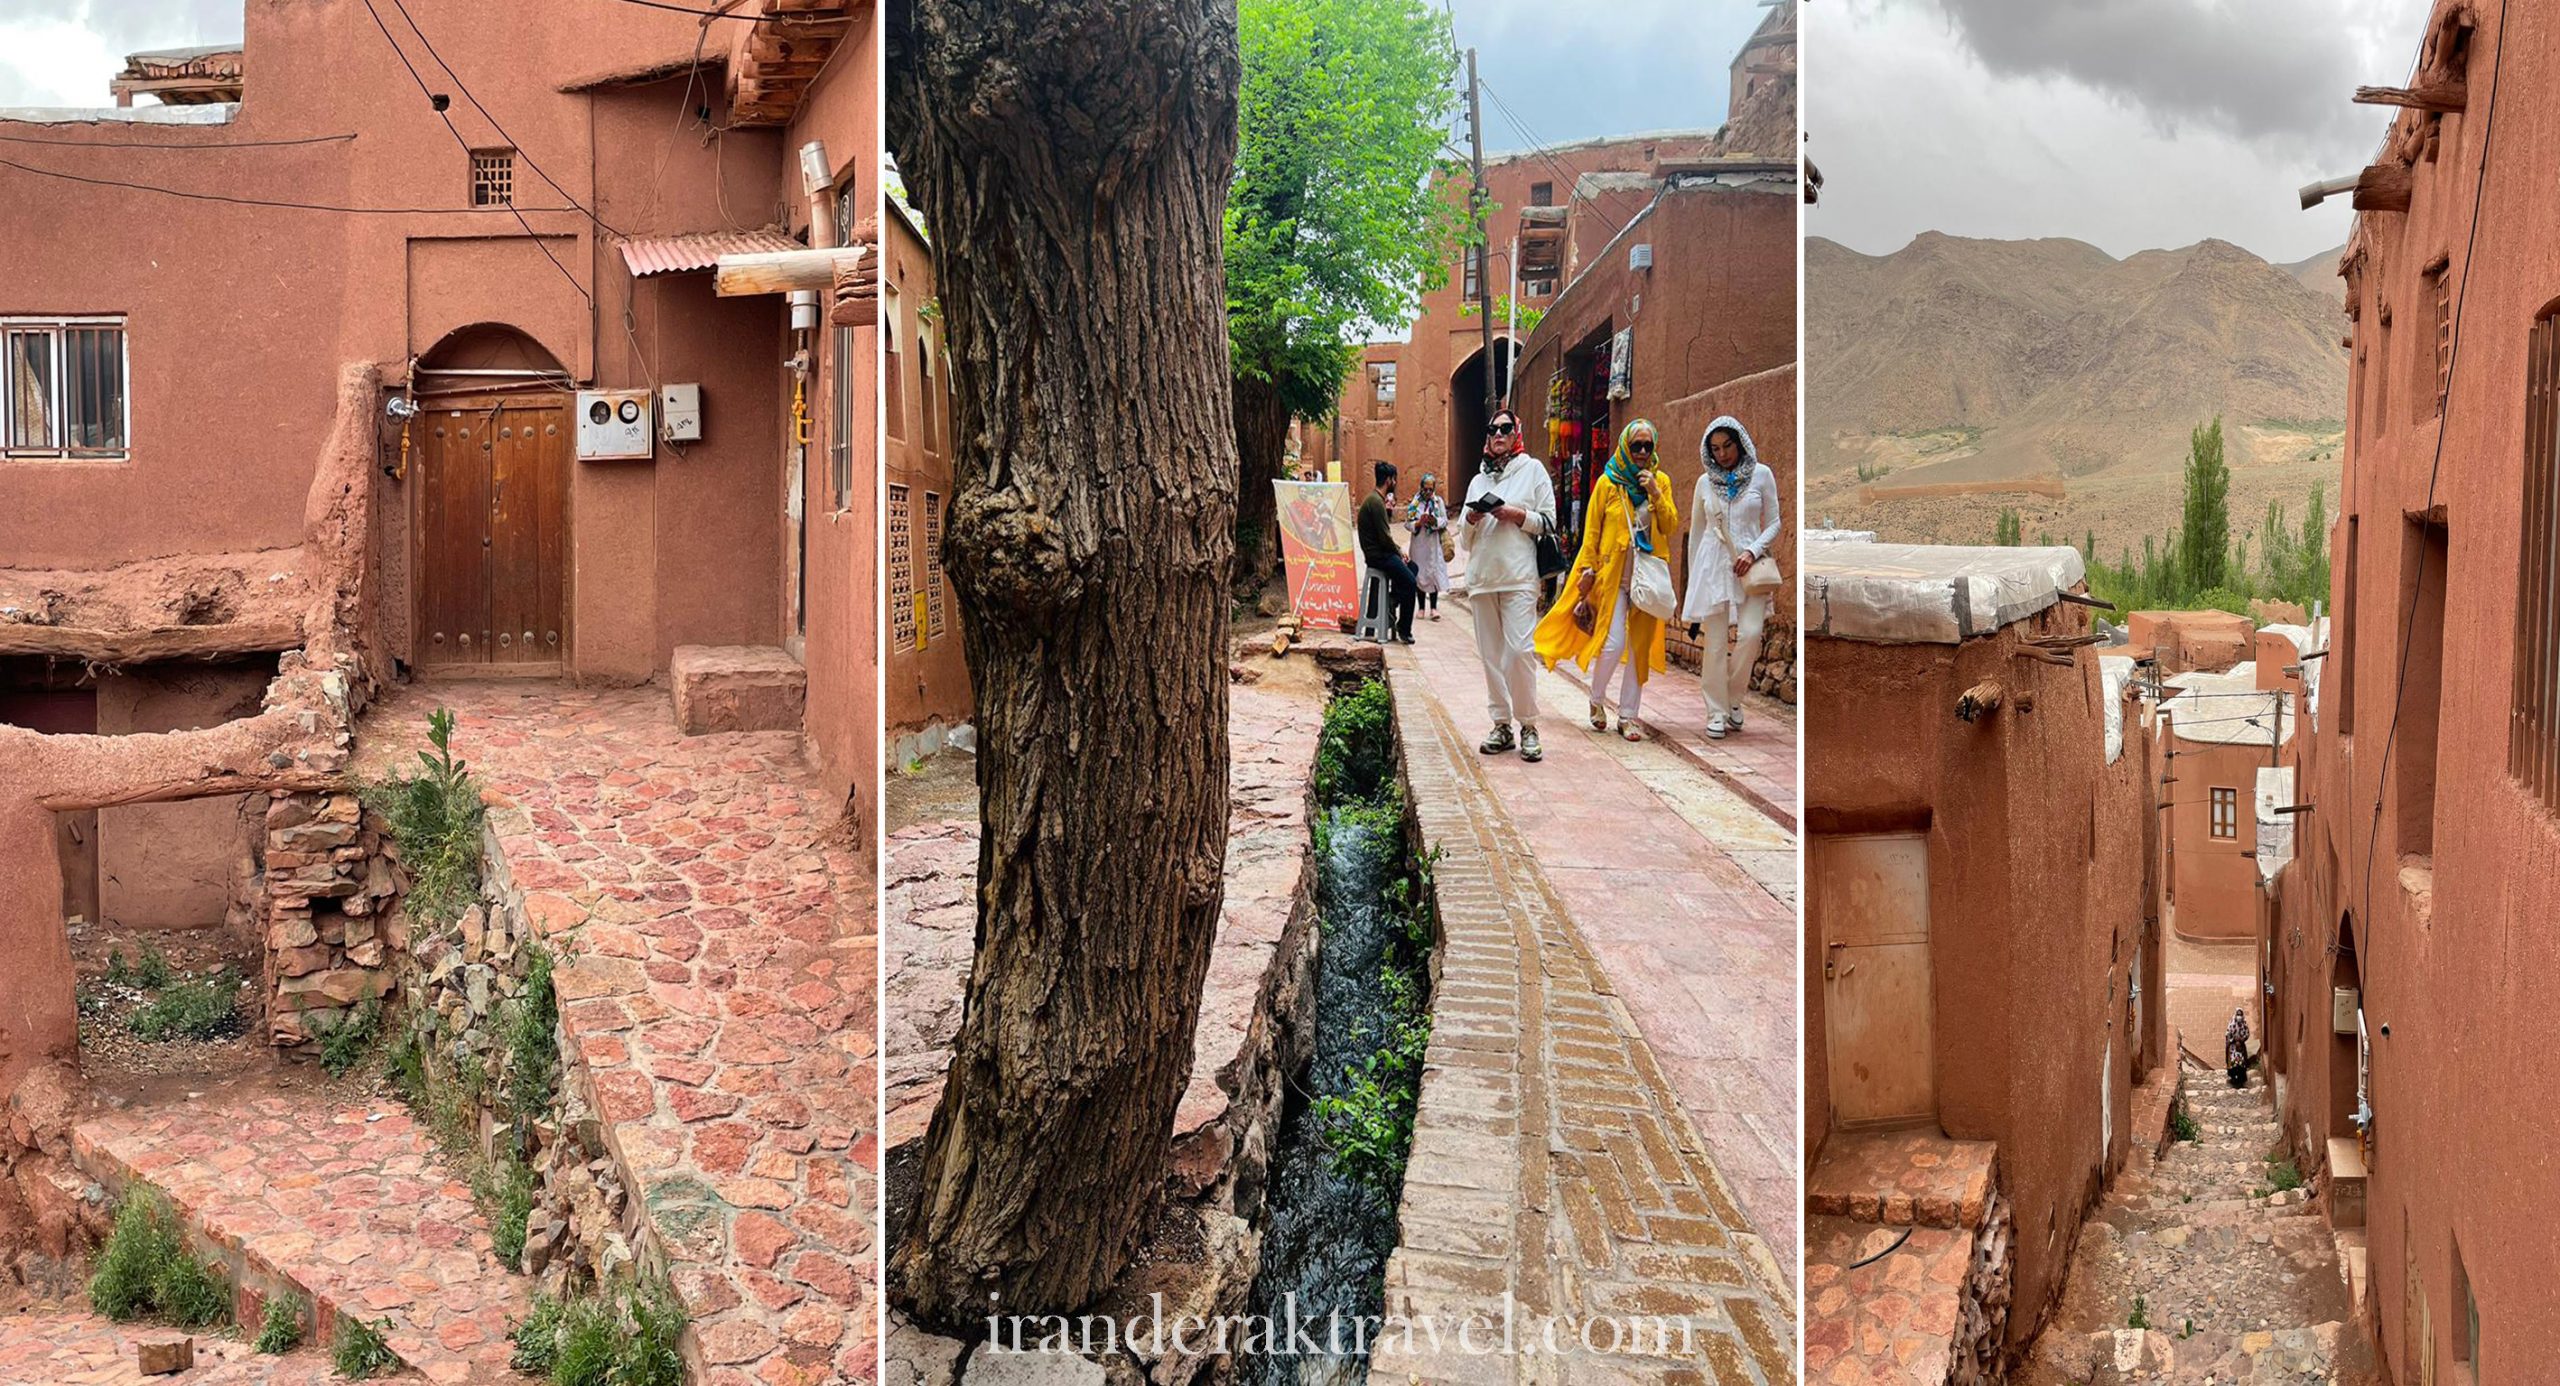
(1335, 223)
(2204, 537)
(2005, 532)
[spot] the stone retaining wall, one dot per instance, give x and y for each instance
(332, 924)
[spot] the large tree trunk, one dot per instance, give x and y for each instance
(1072, 160)
(1262, 443)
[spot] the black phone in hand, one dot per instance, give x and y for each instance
(1485, 504)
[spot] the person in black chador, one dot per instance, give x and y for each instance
(1378, 549)
(2235, 1048)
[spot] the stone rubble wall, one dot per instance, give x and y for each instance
(332, 923)
(462, 984)
(1774, 673)
(1982, 1314)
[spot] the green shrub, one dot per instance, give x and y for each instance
(2182, 1124)
(504, 1187)
(2141, 1315)
(435, 819)
(624, 1339)
(2282, 1174)
(533, 1043)
(145, 1271)
(348, 1043)
(149, 973)
(537, 1336)
(590, 1341)
(281, 1330)
(1356, 752)
(651, 1357)
(197, 1008)
(359, 1352)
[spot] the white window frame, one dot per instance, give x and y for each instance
(54, 326)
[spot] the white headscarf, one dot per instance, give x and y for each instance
(1732, 482)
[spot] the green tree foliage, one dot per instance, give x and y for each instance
(2205, 530)
(2006, 534)
(1336, 224)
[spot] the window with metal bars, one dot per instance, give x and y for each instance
(933, 584)
(493, 177)
(902, 571)
(2533, 735)
(2226, 814)
(62, 387)
(1473, 272)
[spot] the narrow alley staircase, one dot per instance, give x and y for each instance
(2197, 1269)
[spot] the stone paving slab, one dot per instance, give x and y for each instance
(348, 1201)
(1890, 1321)
(70, 1347)
(1684, 894)
(931, 872)
(1555, 1177)
(1902, 1178)
(720, 1003)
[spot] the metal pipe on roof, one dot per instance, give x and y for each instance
(2313, 194)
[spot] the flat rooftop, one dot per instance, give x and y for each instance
(1928, 594)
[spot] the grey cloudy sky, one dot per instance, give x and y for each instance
(2129, 124)
(1579, 71)
(62, 52)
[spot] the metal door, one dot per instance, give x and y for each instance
(1870, 896)
(493, 532)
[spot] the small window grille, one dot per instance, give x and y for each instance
(1542, 194)
(933, 584)
(2440, 289)
(902, 572)
(493, 177)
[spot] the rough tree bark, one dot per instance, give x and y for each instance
(1262, 443)
(1072, 161)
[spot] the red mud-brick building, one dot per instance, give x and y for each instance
(323, 381)
(1978, 948)
(926, 678)
(2415, 973)
(2216, 731)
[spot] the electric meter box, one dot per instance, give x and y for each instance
(615, 424)
(680, 413)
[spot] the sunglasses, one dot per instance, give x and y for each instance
(1504, 429)
(1639, 447)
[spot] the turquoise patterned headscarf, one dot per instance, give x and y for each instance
(1626, 473)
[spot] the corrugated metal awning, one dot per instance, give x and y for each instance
(699, 250)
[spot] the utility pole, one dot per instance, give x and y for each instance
(1476, 202)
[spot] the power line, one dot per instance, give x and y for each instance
(438, 106)
(716, 14)
(177, 144)
(2453, 357)
(512, 141)
(258, 201)
(1538, 147)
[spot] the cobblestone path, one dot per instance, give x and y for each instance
(721, 999)
(1682, 891)
(71, 1347)
(2236, 1282)
(1555, 1177)
(346, 1201)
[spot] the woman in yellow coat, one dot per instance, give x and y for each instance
(1593, 623)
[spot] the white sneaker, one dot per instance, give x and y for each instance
(1733, 720)
(1717, 726)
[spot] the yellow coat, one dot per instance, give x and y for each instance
(1606, 549)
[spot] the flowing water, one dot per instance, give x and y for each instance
(1327, 1236)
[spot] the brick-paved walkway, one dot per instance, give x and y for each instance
(69, 1347)
(932, 875)
(1682, 891)
(347, 1201)
(721, 1001)
(1554, 1172)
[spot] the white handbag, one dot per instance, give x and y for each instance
(1648, 577)
(1763, 577)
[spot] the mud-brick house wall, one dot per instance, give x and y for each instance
(927, 678)
(2216, 733)
(2015, 890)
(2428, 874)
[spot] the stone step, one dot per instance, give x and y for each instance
(343, 1203)
(737, 688)
(63, 1345)
(2311, 1353)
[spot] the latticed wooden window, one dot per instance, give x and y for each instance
(2440, 291)
(493, 177)
(2533, 737)
(2226, 813)
(902, 571)
(933, 584)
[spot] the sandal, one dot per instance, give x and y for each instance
(1599, 718)
(1631, 729)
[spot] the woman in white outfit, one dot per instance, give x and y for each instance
(1734, 520)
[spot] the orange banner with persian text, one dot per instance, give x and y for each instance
(1317, 540)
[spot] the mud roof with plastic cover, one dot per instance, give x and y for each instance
(1928, 594)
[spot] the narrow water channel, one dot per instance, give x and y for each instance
(1338, 1172)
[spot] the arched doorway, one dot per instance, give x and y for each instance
(489, 502)
(1467, 412)
(2348, 1078)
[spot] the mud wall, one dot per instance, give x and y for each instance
(2032, 919)
(2213, 881)
(172, 866)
